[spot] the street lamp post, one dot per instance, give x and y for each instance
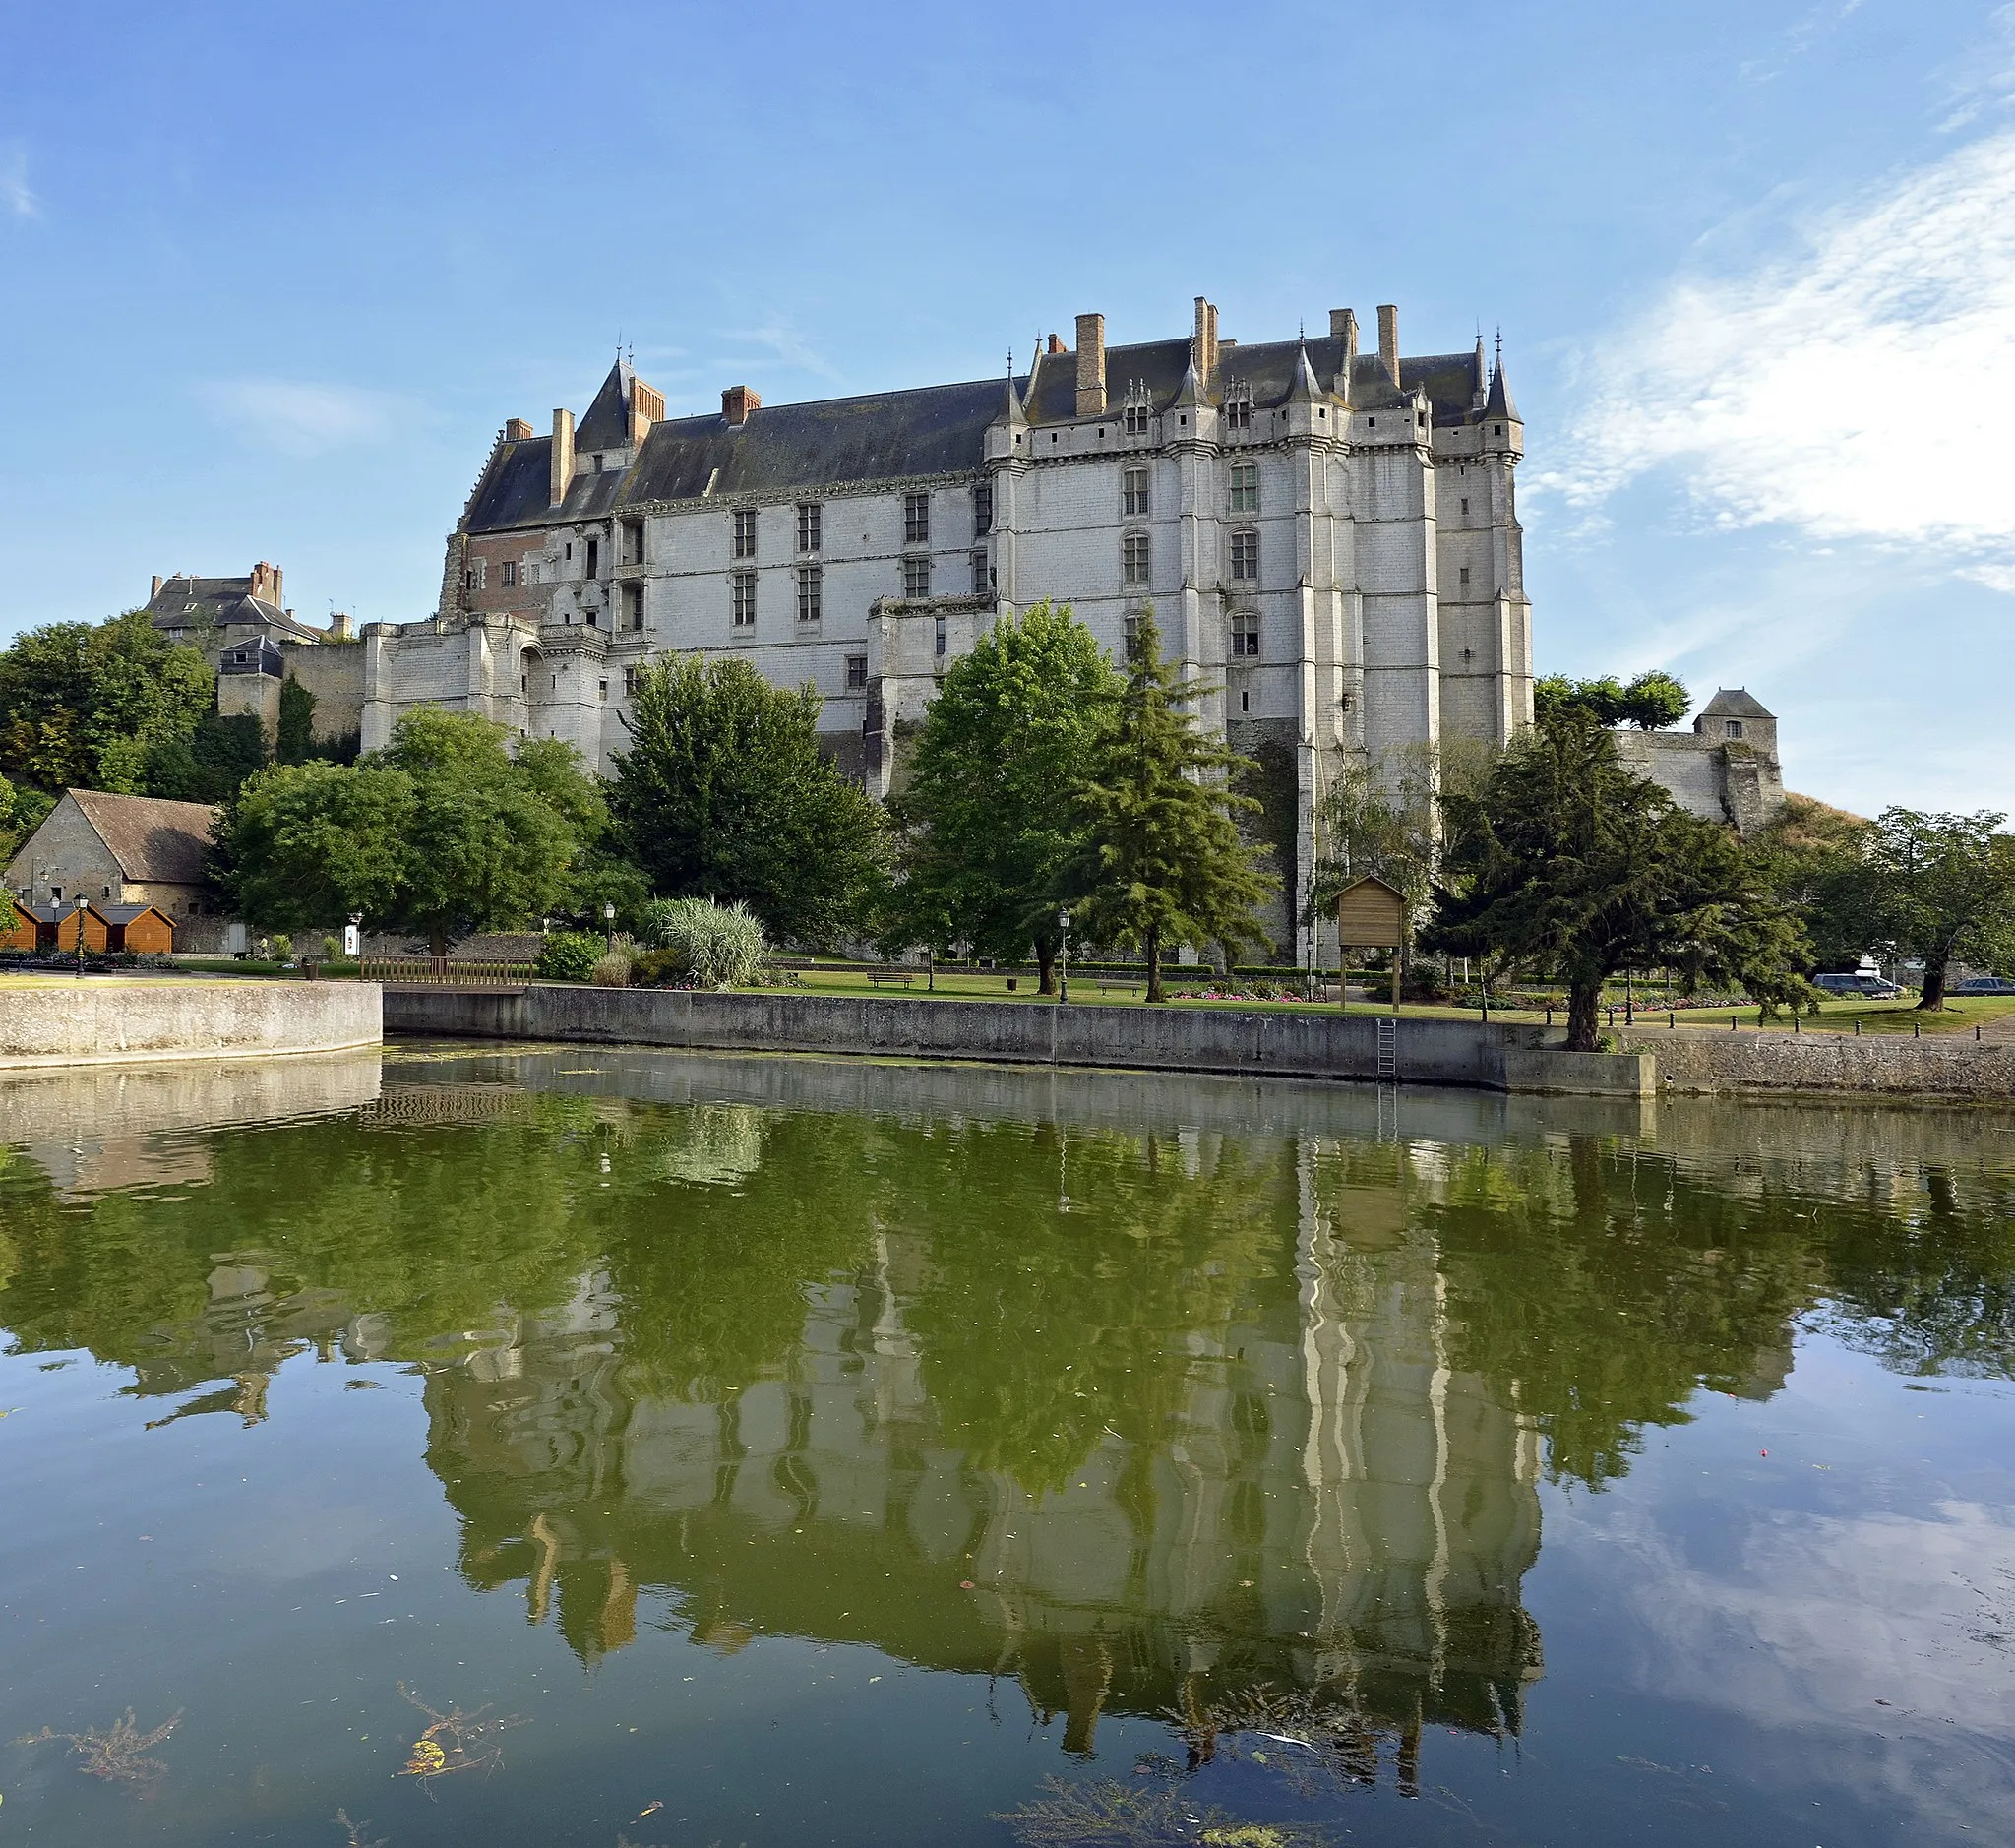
(1064, 982)
(609, 918)
(78, 919)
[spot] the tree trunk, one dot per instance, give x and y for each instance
(437, 948)
(1585, 1012)
(1152, 945)
(1046, 967)
(1932, 998)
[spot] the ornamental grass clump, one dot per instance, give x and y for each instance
(700, 942)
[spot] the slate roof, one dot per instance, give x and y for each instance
(1736, 703)
(124, 914)
(226, 601)
(150, 838)
(928, 430)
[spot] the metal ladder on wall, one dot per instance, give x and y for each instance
(1388, 1055)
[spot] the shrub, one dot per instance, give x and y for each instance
(611, 971)
(331, 950)
(568, 956)
(712, 945)
(282, 946)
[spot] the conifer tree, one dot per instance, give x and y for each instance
(1163, 861)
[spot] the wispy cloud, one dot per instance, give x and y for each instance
(785, 345)
(299, 418)
(16, 196)
(1861, 389)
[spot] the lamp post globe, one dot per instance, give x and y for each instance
(1063, 981)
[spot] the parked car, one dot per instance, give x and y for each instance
(1860, 984)
(1983, 985)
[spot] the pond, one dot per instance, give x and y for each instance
(598, 1446)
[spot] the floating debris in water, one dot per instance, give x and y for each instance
(356, 1832)
(1111, 1815)
(118, 1753)
(469, 1741)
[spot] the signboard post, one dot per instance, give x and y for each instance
(1372, 915)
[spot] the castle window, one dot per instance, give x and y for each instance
(982, 578)
(570, 551)
(1245, 487)
(856, 671)
(510, 572)
(594, 557)
(743, 584)
(916, 519)
(1244, 558)
(937, 639)
(1465, 577)
(628, 682)
(745, 532)
(1133, 418)
(1131, 633)
(810, 592)
(916, 577)
(633, 541)
(1133, 493)
(809, 523)
(1465, 506)
(605, 689)
(1133, 556)
(1735, 727)
(1246, 635)
(983, 508)
(1245, 700)
(633, 606)
(1238, 407)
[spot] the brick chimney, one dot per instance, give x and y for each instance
(517, 430)
(157, 590)
(647, 407)
(1205, 339)
(736, 402)
(339, 627)
(1092, 365)
(561, 477)
(1343, 327)
(266, 580)
(1389, 340)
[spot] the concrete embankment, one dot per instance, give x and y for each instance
(107, 1021)
(914, 1027)
(1695, 1059)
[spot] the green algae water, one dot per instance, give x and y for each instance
(594, 1447)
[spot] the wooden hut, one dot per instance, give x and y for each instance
(1372, 915)
(144, 928)
(16, 924)
(58, 927)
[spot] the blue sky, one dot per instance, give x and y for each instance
(272, 277)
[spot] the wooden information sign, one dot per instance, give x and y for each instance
(1372, 915)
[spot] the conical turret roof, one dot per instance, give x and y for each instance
(1499, 404)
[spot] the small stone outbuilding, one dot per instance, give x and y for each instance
(124, 851)
(1725, 770)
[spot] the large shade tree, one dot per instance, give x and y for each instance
(82, 705)
(1940, 888)
(1650, 702)
(723, 793)
(1163, 862)
(441, 833)
(988, 812)
(1565, 861)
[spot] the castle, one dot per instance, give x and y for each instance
(1326, 535)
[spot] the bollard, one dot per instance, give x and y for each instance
(1857, 1029)
(1913, 1031)
(1672, 1022)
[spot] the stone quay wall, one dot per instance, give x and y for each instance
(1697, 1059)
(97, 1020)
(916, 1027)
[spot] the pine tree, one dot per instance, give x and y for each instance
(1163, 861)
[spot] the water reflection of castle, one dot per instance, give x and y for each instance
(1333, 1506)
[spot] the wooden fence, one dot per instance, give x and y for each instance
(444, 970)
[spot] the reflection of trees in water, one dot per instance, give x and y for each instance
(1193, 1415)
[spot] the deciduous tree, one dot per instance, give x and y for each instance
(1162, 861)
(82, 703)
(1567, 861)
(1940, 888)
(723, 793)
(990, 812)
(1651, 701)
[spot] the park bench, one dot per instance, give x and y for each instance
(889, 978)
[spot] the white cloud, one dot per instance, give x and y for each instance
(1861, 389)
(16, 195)
(297, 416)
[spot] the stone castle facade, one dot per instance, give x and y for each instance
(1327, 535)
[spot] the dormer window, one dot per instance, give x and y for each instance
(1238, 407)
(1134, 416)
